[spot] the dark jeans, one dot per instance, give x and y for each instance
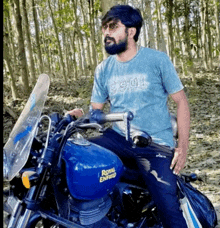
(153, 162)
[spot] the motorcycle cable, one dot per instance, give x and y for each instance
(70, 129)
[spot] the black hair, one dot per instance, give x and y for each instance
(129, 16)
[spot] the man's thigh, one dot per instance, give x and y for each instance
(154, 164)
(116, 143)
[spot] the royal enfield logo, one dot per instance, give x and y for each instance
(107, 174)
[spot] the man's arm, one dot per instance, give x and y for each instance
(78, 112)
(98, 105)
(183, 124)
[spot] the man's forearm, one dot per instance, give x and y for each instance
(97, 105)
(183, 123)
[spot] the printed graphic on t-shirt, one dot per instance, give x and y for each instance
(128, 83)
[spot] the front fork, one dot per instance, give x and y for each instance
(20, 221)
(21, 210)
(21, 214)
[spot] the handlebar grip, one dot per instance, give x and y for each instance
(112, 117)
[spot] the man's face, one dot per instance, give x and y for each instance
(116, 37)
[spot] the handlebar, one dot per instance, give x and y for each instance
(99, 118)
(84, 122)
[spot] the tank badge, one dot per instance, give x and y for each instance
(107, 174)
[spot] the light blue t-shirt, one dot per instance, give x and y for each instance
(140, 85)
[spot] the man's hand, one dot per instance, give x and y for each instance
(179, 160)
(97, 116)
(77, 112)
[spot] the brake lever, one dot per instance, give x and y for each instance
(127, 117)
(91, 125)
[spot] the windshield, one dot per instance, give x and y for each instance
(16, 150)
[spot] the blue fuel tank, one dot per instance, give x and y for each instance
(91, 170)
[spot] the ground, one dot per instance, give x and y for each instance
(203, 93)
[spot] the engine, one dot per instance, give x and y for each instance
(91, 213)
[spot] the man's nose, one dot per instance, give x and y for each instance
(106, 32)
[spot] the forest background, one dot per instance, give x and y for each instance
(63, 39)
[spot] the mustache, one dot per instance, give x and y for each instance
(108, 38)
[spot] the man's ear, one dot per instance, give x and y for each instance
(132, 32)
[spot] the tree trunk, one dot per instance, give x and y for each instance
(198, 30)
(186, 31)
(161, 46)
(79, 57)
(151, 41)
(92, 29)
(29, 46)
(216, 8)
(21, 48)
(87, 39)
(203, 38)
(209, 36)
(63, 34)
(10, 112)
(144, 34)
(72, 45)
(81, 50)
(180, 52)
(105, 7)
(46, 42)
(59, 45)
(144, 43)
(8, 62)
(169, 4)
(36, 26)
(11, 32)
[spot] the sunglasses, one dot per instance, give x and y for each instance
(112, 26)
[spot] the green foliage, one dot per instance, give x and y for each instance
(193, 37)
(215, 49)
(86, 29)
(99, 50)
(64, 16)
(177, 51)
(189, 63)
(97, 6)
(6, 7)
(57, 67)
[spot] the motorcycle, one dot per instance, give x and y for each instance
(58, 178)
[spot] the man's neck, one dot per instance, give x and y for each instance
(128, 54)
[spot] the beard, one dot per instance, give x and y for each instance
(113, 48)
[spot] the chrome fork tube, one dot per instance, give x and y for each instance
(19, 221)
(22, 222)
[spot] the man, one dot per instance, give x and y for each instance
(139, 80)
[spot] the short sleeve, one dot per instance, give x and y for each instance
(99, 91)
(171, 80)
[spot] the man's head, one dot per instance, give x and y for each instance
(119, 24)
